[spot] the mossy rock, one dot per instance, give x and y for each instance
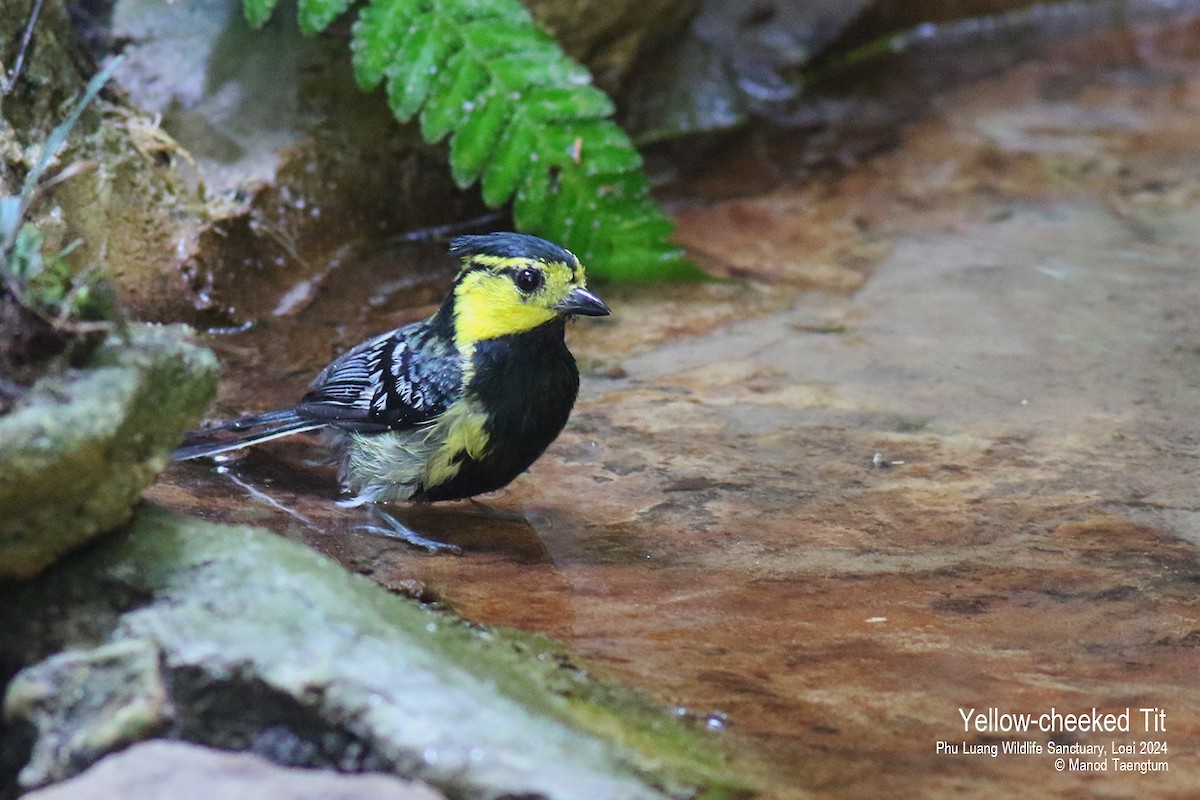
(77, 451)
(265, 645)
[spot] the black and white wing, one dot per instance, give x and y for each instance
(392, 382)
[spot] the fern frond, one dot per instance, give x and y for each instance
(258, 11)
(522, 119)
(379, 32)
(316, 15)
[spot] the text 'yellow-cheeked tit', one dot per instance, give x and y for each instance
(455, 405)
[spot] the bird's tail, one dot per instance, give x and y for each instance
(242, 433)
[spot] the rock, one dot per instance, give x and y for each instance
(230, 164)
(49, 73)
(77, 451)
(299, 169)
(268, 647)
(84, 704)
(736, 59)
(183, 771)
(127, 207)
(610, 37)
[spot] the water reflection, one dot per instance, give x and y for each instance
(283, 488)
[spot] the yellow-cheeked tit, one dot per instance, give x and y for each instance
(454, 405)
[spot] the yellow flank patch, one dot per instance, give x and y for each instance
(462, 431)
(488, 304)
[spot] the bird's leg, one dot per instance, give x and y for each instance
(395, 529)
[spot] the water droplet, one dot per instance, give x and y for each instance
(926, 30)
(716, 721)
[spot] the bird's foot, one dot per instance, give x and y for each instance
(395, 529)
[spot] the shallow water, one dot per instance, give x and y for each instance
(938, 451)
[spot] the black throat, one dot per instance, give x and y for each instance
(527, 382)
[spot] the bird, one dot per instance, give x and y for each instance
(455, 405)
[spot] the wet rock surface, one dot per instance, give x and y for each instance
(960, 474)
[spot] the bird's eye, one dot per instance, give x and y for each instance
(529, 280)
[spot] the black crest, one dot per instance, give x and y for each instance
(509, 245)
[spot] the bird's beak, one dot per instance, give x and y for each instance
(581, 301)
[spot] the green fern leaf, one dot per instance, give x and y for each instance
(512, 159)
(531, 201)
(650, 263)
(554, 104)
(516, 73)
(596, 146)
(473, 145)
(315, 15)
(420, 58)
(524, 137)
(453, 96)
(381, 30)
(511, 12)
(574, 211)
(639, 225)
(258, 11)
(522, 119)
(499, 38)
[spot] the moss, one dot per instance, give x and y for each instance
(79, 448)
(52, 70)
(87, 703)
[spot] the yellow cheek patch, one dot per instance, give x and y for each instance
(462, 429)
(488, 304)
